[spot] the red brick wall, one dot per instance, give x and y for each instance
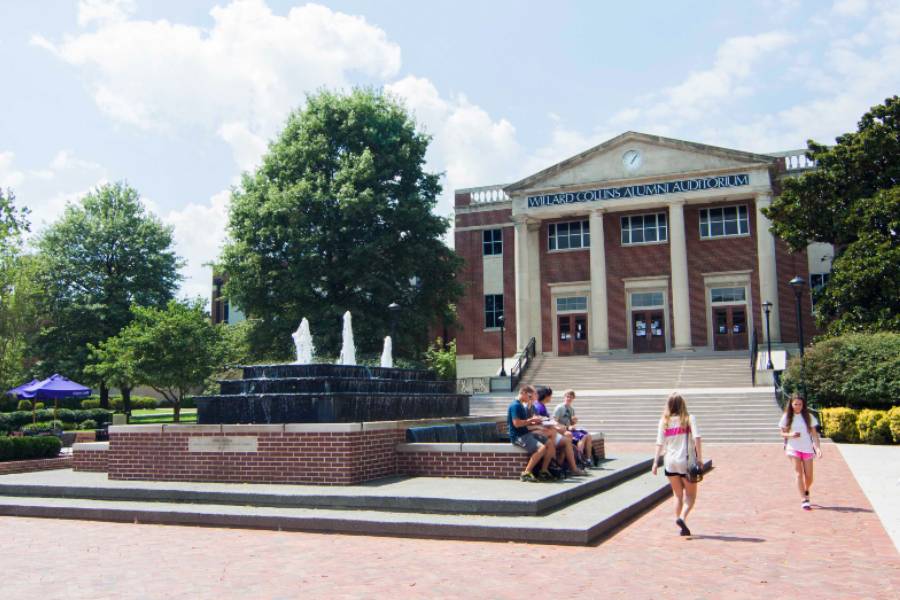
(484, 217)
(788, 266)
(40, 464)
(90, 460)
(714, 255)
(282, 457)
(628, 261)
(478, 465)
(558, 267)
(470, 335)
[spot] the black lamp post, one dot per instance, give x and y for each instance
(502, 323)
(394, 310)
(767, 306)
(798, 283)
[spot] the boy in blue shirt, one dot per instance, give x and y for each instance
(517, 422)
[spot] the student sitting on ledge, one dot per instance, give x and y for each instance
(517, 421)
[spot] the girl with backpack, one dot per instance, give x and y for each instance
(801, 443)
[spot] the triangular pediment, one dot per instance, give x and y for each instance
(658, 156)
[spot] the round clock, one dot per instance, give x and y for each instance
(632, 160)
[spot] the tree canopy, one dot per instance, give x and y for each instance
(173, 350)
(852, 200)
(104, 254)
(18, 292)
(339, 217)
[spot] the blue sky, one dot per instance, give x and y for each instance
(178, 97)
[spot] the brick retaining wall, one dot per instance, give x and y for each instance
(38, 464)
(90, 456)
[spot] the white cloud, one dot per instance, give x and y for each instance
(239, 78)
(104, 11)
(850, 8)
(199, 231)
(10, 177)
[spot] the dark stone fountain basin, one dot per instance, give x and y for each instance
(330, 394)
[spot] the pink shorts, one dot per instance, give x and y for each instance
(800, 455)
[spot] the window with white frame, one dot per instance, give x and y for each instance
(726, 221)
(644, 229)
(492, 242)
(726, 295)
(646, 299)
(818, 280)
(569, 236)
(571, 304)
(493, 309)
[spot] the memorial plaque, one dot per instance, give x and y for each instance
(237, 443)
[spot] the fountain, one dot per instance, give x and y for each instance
(304, 344)
(304, 392)
(348, 349)
(387, 361)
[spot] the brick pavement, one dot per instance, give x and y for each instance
(752, 541)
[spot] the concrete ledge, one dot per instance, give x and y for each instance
(425, 447)
(500, 448)
(380, 425)
(90, 447)
(322, 427)
(254, 428)
(151, 428)
(179, 428)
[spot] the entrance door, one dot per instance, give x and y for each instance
(572, 331)
(730, 328)
(648, 331)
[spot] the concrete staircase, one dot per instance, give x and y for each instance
(624, 396)
(723, 369)
(724, 416)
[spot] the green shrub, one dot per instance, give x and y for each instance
(442, 361)
(42, 427)
(874, 427)
(38, 406)
(839, 424)
(90, 403)
(857, 370)
(24, 405)
(893, 418)
(65, 415)
(88, 424)
(20, 448)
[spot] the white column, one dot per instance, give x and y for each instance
(523, 287)
(681, 308)
(599, 319)
(768, 275)
(535, 321)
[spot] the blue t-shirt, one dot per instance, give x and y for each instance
(516, 410)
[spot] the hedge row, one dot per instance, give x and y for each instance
(856, 370)
(14, 420)
(20, 448)
(10, 404)
(868, 426)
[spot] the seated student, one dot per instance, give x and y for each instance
(517, 421)
(562, 438)
(564, 414)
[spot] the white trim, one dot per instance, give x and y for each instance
(483, 227)
(644, 285)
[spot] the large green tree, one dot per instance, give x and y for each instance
(104, 254)
(339, 217)
(18, 292)
(173, 350)
(852, 200)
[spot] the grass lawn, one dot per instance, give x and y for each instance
(162, 415)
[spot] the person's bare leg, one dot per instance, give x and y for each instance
(570, 456)
(807, 476)
(549, 453)
(678, 492)
(533, 459)
(588, 450)
(798, 471)
(690, 497)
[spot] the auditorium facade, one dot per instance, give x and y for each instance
(642, 244)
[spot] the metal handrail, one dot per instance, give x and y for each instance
(754, 353)
(522, 363)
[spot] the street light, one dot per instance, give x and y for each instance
(502, 322)
(394, 310)
(798, 283)
(767, 306)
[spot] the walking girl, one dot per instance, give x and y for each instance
(679, 436)
(801, 443)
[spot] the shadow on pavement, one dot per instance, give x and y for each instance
(727, 538)
(842, 509)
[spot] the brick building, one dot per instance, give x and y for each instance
(642, 244)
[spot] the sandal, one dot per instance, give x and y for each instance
(684, 528)
(529, 477)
